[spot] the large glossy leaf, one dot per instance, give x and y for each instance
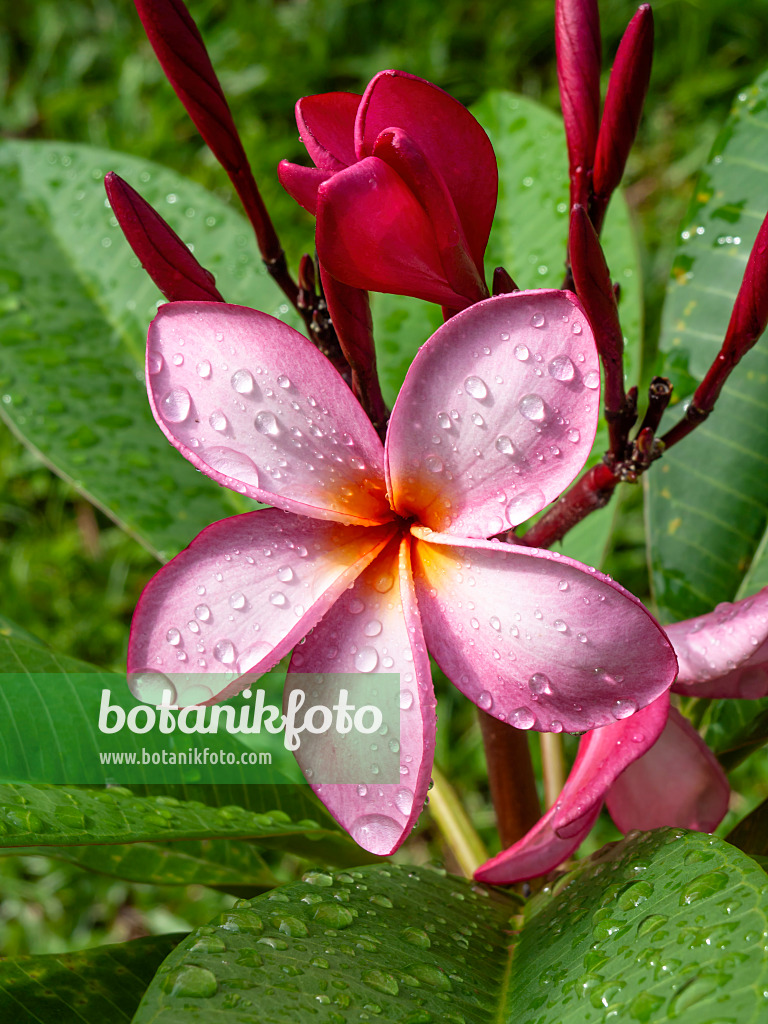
(89, 987)
(528, 238)
(230, 866)
(751, 833)
(708, 498)
(43, 816)
(389, 942)
(663, 926)
(733, 729)
(74, 311)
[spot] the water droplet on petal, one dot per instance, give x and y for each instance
(178, 359)
(204, 369)
(524, 505)
(560, 626)
(283, 382)
(373, 628)
(266, 423)
(404, 801)
(175, 405)
(242, 382)
(522, 718)
(233, 464)
(237, 600)
(383, 583)
(444, 420)
(155, 362)
(592, 380)
(538, 683)
(623, 709)
(522, 353)
(504, 445)
(218, 420)
(434, 463)
(278, 599)
(366, 659)
(285, 574)
(574, 436)
(476, 388)
(561, 368)
(485, 701)
(533, 408)
(253, 655)
(576, 327)
(375, 832)
(538, 320)
(173, 636)
(406, 700)
(224, 651)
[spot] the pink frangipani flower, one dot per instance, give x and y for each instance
(404, 189)
(653, 769)
(373, 552)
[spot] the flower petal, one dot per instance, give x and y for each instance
(724, 653)
(327, 128)
(532, 637)
(372, 233)
(603, 755)
(678, 782)
(497, 414)
(376, 628)
(238, 598)
(450, 137)
(218, 387)
(301, 183)
(539, 851)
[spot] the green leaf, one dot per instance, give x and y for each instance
(662, 926)
(733, 729)
(708, 497)
(388, 942)
(751, 833)
(229, 866)
(74, 312)
(89, 987)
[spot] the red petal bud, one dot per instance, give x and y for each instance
(182, 54)
(593, 286)
(624, 103)
(577, 38)
(161, 252)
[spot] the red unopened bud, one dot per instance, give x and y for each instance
(503, 283)
(623, 106)
(161, 252)
(182, 54)
(747, 323)
(594, 288)
(577, 39)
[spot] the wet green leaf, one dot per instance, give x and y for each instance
(88, 987)
(708, 497)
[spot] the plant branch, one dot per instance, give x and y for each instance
(510, 776)
(455, 827)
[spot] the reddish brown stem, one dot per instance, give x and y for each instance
(510, 776)
(591, 492)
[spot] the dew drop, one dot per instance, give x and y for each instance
(253, 656)
(285, 574)
(204, 369)
(524, 505)
(560, 626)
(218, 420)
(173, 636)
(203, 612)
(504, 445)
(384, 583)
(178, 359)
(155, 362)
(522, 353)
(495, 623)
(444, 420)
(538, 320)
(562, 585)
(576, 327)
(539, 683)
(373, 628)
(237, 600)
(242, 382)
(592, 380)
(522, 718)
(224, 651)
(574, 436)
(561, 368)
(623, 709)
(175, 405)
(434, 463)
(278, 599)
(283, 382)
(477, 419)
(485, 701)
(476, 388)
(376, 833)
(266, 423)
(533, 408)
(406, 700)
(404, 801)
(366, 659)
(233, 464)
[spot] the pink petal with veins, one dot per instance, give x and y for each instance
(678, 782)
(234, 602)
(372, 233)
(301, 183)
(539, 851)
(449, 136)
(254, 405)
(603, 755)
(327, 128)
(537, 640)
(375, 628)
(724, 653)
(497, 414)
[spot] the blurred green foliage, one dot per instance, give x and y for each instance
(82, 70)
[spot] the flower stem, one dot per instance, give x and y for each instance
(510, 776)
(456, 828)
(553, 765)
